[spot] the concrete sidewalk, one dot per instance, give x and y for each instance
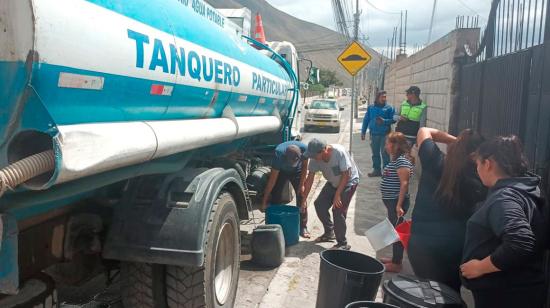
(295, 282)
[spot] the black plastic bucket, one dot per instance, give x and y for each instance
(346, 277)
(369, 305)
(411, 292)
(268, 245)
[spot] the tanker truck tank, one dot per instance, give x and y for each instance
(128, 131)
(106, 84)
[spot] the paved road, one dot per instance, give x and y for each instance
(325, 134)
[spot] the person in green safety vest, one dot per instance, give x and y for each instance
(412, 115)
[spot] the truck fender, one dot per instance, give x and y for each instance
(163, 219)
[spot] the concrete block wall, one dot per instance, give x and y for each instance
(433, 70)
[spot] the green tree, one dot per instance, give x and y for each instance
(317, 88)
(328, 78)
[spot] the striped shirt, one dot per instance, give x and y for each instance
(390, 185)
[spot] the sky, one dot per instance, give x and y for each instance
(379, 17)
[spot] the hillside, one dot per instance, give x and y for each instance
(314, 42)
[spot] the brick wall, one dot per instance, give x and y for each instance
(433, 70)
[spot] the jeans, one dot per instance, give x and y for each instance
(282, 180)
(324, 202)
(390, 204)
(377, 143)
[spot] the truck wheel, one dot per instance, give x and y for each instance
(142, 284)
(214, 284)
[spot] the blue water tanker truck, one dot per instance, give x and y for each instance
(134, 137)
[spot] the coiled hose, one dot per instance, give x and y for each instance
(21, 171)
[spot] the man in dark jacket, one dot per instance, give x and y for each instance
(378, 121)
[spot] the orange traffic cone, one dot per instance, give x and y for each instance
(259, 34)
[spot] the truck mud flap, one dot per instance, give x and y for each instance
(163, 218)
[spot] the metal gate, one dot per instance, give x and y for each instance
(504, 87)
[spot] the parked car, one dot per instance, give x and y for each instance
(323, 113)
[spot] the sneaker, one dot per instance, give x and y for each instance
(340, 246)
(374, 174)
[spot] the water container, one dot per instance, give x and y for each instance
(370, 305)
(346, 277)
(411, 292)
(404, 231)
(382, 234)
(268, 245)
(288, 216)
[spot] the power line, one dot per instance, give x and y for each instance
(335, 47)
(380, 10)
(341, 15)
(471, 10)
(305, 47)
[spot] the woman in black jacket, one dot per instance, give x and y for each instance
(503, 251)
(448, 192)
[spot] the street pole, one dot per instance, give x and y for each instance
(356, 38)
(351, 120)
(431, 23)
(353, 107)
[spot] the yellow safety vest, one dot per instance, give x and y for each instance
(413, 113)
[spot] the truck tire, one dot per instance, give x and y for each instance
(215, 284)
(142, 284)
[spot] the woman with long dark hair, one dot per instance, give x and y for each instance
(395, 189)
(505, 239)
(448, 192)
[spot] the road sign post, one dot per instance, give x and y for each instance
(354, 58)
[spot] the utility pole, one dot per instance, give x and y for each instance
(431, 23)
(405, 38)
(354, 107)
(401, 35)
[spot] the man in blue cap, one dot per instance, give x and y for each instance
(342, 177)
(289, 164)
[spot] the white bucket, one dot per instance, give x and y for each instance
(382, 234)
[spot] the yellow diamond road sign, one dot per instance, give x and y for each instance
(354, 58)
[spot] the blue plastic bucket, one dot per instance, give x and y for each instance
(288, 216)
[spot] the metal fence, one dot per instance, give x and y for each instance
(513, 25)
(504, 87)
